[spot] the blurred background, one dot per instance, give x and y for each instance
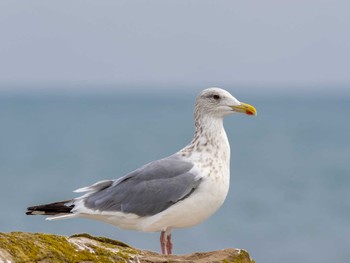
(91, 90)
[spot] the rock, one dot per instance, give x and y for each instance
(47, 248)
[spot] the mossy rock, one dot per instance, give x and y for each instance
(46, 248)
(37, 247)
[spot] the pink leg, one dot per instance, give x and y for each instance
(163, 242)
(169, 245)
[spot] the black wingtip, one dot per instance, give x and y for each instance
(31, 210)
(63, 207)
(29, 213)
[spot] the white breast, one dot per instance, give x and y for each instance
(200, 205)
(211, 158)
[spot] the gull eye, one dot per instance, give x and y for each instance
(216, 97)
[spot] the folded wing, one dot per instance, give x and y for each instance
(147, 190)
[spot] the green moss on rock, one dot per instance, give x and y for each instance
(46, 248)
(105, 240)
(28, 247)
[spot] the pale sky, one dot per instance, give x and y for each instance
(174, 43)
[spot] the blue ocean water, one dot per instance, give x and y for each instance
(290, 167)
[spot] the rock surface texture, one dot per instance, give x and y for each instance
(47, 248)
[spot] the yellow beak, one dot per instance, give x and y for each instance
(244, 108)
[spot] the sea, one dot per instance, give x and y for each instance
(289, 198)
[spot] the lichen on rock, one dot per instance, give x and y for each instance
(38, 247)
(47, 248)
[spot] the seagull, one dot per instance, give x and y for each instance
(181, 190)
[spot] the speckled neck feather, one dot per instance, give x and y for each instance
(209, 137)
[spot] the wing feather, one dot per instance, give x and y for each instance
(147, 190)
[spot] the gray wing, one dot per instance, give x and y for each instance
(147, 190)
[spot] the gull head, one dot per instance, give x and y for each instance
(218, 103)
